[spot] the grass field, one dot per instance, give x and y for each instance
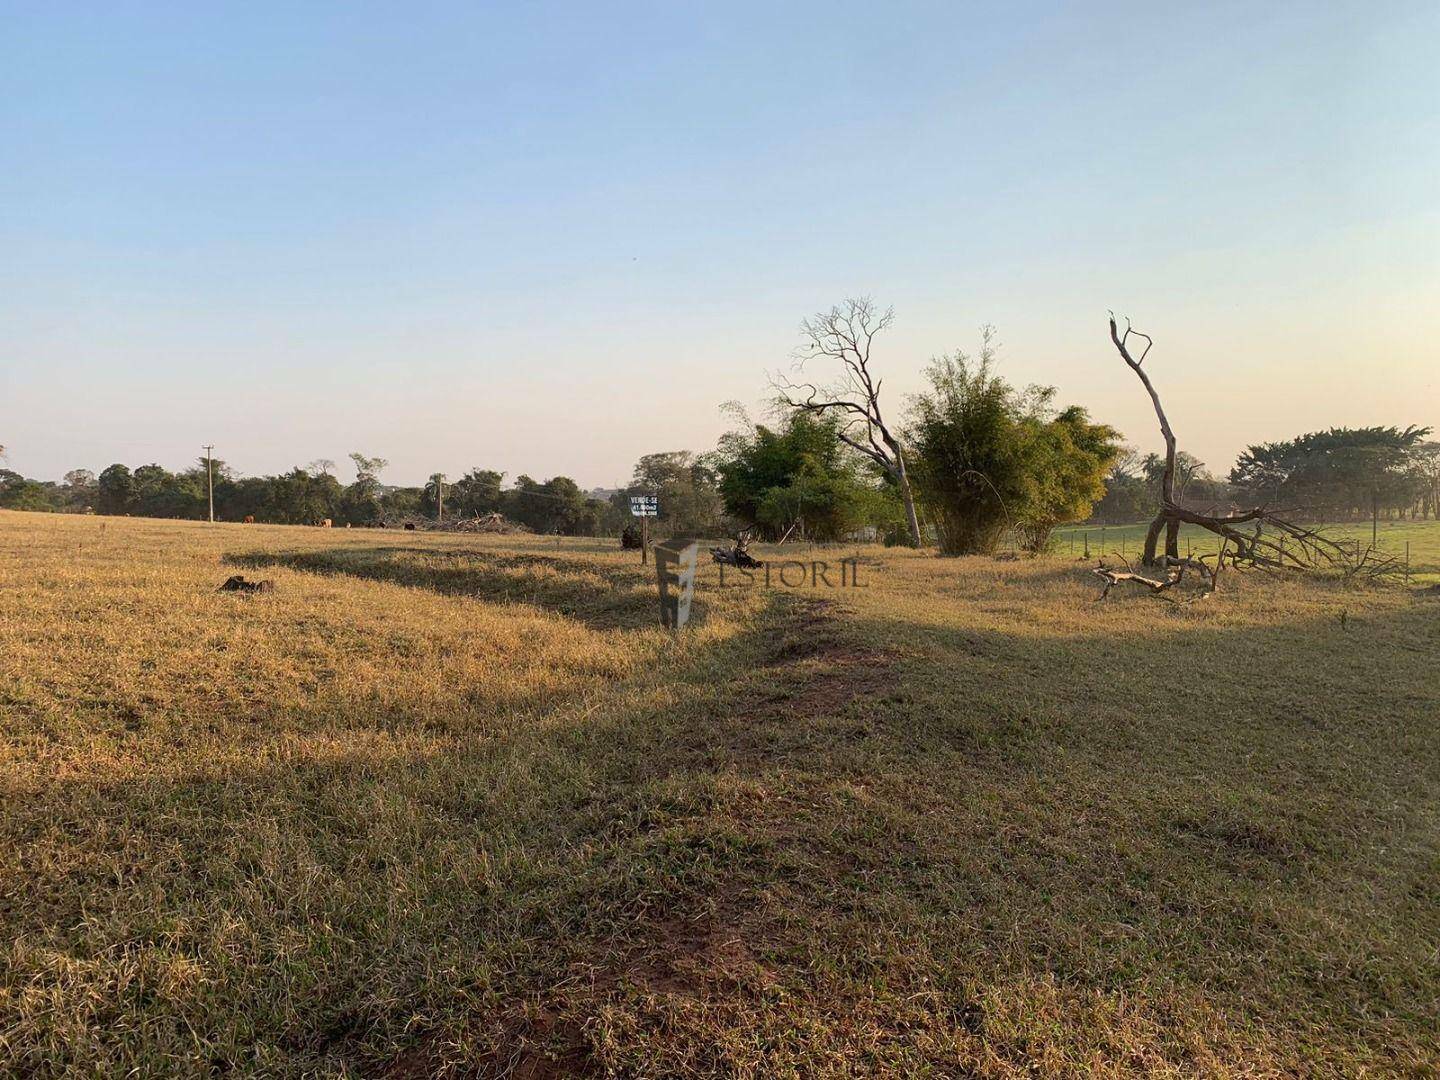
(445, 805)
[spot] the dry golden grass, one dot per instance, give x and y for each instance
(445, 805)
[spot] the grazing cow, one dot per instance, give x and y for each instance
(324, 523)
(249, 519)
(409, 526)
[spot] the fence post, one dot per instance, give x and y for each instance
(1407, 562)
(1087, 543)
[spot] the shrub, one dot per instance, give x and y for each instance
(988, 458)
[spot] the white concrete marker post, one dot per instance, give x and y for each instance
(675, 562)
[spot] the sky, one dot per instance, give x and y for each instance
(548, 238)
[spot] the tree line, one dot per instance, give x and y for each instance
(968, 461)
(1343, 474)
(307, 495)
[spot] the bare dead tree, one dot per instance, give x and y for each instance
(845, 335)
(1286, 545)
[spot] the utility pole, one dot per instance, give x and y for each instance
(210, 479)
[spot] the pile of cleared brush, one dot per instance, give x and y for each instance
(482, 523)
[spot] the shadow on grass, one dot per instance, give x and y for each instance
(884, 838)
(356, 889)
(603, 597)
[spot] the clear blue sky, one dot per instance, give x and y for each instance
(551, 237)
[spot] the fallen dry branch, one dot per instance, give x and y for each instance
(1372, 563)
(1115, 577)
(482, 523)
(1176, 568)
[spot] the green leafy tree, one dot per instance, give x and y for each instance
(1336, 474)
(360, 504)
(299, 497)
(556, 506)
(18, 493)
(479, 491)
(368, 468)
(79, 490)
(250, 496)
(989, 457)
(157, 492)
(115, 490)
(1127, 497)
(436, 489)
(690, 503)
(397, 503)
(79, 479)
(1425, 470)
(1068, 458)
(798, 477)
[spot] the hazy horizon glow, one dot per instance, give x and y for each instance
(549, 238)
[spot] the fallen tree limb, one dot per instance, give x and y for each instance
(1176, 567)
(1115, 577)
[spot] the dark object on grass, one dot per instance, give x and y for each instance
(739, 555)
(972, 1017)
(630, 538)
(237, 583)
(409, 526)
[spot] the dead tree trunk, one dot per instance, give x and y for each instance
(907, 496)
(1289, 545)
(845, 334)
(1165, 520)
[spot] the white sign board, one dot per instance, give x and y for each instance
(645, 505)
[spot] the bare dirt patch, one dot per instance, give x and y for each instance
(819, 671)
(538, 1045)
(693, 954)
